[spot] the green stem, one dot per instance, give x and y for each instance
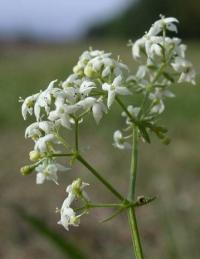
(76, 134)
(106, 205)
(135, 234)
(131, 211)
(61, 155)
(125, 110)
(133, 169)
(99, 177)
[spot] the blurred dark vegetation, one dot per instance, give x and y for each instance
(142, 13)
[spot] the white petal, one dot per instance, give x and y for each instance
(117, 81)
(65, 121)
(136, 48)
(40, 178)
(87, 102)
(111, 98)
(97, 110)
(122, 90)
(106, 87)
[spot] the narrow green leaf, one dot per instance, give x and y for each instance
(145, 134)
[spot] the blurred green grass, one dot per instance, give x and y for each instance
(170, 227)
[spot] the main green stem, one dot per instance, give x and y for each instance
(131, 195)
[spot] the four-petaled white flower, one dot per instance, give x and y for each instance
(48, 171)
(28, 104)
(68, 218)
(86, 87)
(43, 144)
(157, 97)
(168, 23)
(37, 129)
(185, 69)
(44, 100)
(115, 88)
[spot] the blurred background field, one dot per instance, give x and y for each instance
(170, 227)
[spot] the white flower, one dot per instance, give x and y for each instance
(152, 46)
(86, 87)
(61, 115)
(37, 129)
(82, 65)
(185, 68)
(48, 171)
(75, 190)
(157, 98)
(158, 26)
(28, 104)
(141, 72)
(98, 109)
(103, 65)
(134, 111)
(86, 103)
(43, 143)
(72, 81)
(119, 141)
(76, 187)
(44, 100)
(137, 48)
(68, 218)
(67, 214)
(115, 88)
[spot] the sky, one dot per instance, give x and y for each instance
(55, 19)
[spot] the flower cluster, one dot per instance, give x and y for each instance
(97, 81)
(67, 214)
(162, 63)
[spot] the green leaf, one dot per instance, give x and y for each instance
(168, 77)
(144, 134)
(66, 247)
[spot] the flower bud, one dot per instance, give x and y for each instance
(34, 155)
(78, 70)
(77, 186)
(88, 71)
(27, 169)
(75, 220)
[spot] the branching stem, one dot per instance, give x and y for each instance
(100, 177)
(131, 195)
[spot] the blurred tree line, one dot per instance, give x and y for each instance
(140, 14)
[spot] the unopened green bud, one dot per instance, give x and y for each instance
(88, 71)
(78, 70)
(27, 169)
(34, 155)
(74, 220)
(76, 187)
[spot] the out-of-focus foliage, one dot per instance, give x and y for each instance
(136, 19)
(55, 238)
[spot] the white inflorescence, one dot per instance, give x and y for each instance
(97, 81)
(68, 216)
